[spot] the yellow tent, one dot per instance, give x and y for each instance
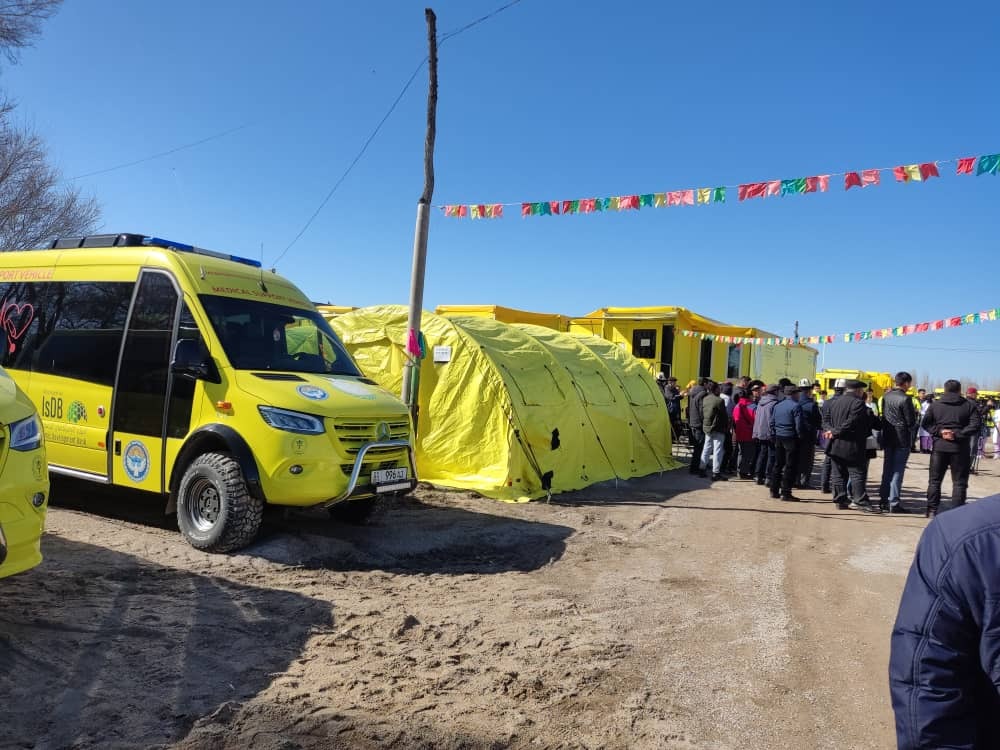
(514, 412)
(505, 315)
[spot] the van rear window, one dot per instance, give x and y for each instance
(72, 329)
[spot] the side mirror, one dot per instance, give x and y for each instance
(190, 361)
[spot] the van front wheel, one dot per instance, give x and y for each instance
(215, 512)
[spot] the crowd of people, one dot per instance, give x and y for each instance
(770, 434)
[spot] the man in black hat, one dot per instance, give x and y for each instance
(849, 423)
(824, 412)
(953, 422)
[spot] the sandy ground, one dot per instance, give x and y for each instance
(667, 614)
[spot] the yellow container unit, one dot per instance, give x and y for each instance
(515, 412)
(653, 335)
(879, 382)
(506, 315)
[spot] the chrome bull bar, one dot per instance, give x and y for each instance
(352, 483)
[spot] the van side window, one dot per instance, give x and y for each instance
(142, 381)
(71, 329)
(182, 391)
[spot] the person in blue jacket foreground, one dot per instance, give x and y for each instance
(944, 663)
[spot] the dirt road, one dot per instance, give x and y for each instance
(670, 614)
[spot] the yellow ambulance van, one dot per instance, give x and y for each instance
(24, 482)
(170, 369)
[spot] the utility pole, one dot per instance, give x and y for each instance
(411, 370)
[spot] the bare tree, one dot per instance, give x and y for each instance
(21, 22)
(35, 205)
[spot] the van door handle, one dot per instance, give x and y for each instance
(118, 447)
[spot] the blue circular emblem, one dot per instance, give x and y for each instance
(312, 393)
(136, 461)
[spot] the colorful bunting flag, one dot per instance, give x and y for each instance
(988, 164)
(792, 187)
(985, 164)
(907, 173)
(928, 170)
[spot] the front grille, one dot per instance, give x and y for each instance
(353, 433)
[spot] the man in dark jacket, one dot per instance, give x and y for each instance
(899, 428)
(695, 419)
(952, 421)
(763, 433)
(850, 423)
(789, 430)
(824, 414)
(715, 425)
(807, 447)
(946, 641)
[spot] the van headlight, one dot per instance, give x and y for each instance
(26, 435)
(291, 421)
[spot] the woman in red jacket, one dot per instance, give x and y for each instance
(743, 417)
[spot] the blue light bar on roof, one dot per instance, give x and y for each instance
(171, 245)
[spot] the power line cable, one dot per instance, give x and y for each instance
(441, 39)
(161, 154)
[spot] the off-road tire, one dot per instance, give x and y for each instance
(238, 516)
(355, 512)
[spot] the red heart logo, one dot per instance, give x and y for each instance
(17, 319)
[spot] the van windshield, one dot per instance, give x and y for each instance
(265, 336)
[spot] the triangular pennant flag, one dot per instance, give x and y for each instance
(566, 206)
(792, 187)
(812, 183)
(907, 173)
(525, 209)
(870, 177)
(646, 200)
(477, 212)
(687, 197)
(824, 182)
(659, 200)
(545, 208)
(852, 179)
(989, 164)
(554, 206)
(497, 210)
(774, 187)
(719, 195)
(704, 195)
(587, 205)
(614, 202)
(928, 170)
(627, 202)
(965, 165)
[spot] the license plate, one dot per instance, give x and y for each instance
(389, 476)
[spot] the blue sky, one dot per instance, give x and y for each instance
(557, 100)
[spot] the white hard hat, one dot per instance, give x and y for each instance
(841, 383)
(805, 383)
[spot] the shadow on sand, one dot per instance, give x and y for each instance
(99, 648)
(404, 536)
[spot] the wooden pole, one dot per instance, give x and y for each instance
(411, 371)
